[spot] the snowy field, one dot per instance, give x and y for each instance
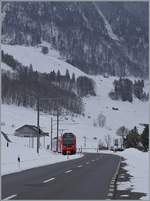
(28, 156)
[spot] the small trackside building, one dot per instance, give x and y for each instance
(29, 131)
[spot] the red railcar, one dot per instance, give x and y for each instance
(68, 143)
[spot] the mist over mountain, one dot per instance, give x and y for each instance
(96, 37)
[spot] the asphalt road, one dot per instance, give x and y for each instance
(85, 178)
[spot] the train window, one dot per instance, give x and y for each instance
(68, 141)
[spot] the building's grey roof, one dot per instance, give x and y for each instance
(6, 137)
(32, 127)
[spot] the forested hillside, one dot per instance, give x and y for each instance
(96, 37)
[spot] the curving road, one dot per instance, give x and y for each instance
(85, 178)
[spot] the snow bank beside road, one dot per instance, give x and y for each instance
(137, 166)
(28, 156)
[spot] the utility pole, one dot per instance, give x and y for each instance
(38, 136)
(57, 129)
(32, 142)
(51, 131)
(85, 138)
(38, 125)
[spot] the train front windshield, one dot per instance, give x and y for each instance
(68, 141)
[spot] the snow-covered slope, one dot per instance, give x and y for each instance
(107, 25)
(40, 62)
(128, 114)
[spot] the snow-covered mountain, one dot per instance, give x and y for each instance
(96, 37)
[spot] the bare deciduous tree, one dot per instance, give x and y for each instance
(122, 132)
(108, 140)
(100, 144)
(101, 120)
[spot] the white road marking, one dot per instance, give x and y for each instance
(93, 160)
(110, 194)
(80, 166)
(68, 171)
(111, 190)
(124, 195)
(87, 163)
(49, 180)
(8, 198)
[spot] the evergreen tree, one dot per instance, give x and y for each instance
(45, 50)
(127, 90)
(132, 139)
(123, 89)
(30, 68)
(67, 75)
(58, 74)
(138, 89)
(73, 77)
(145, 138)
(2, 55)
(52, 76)
(85, 86)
